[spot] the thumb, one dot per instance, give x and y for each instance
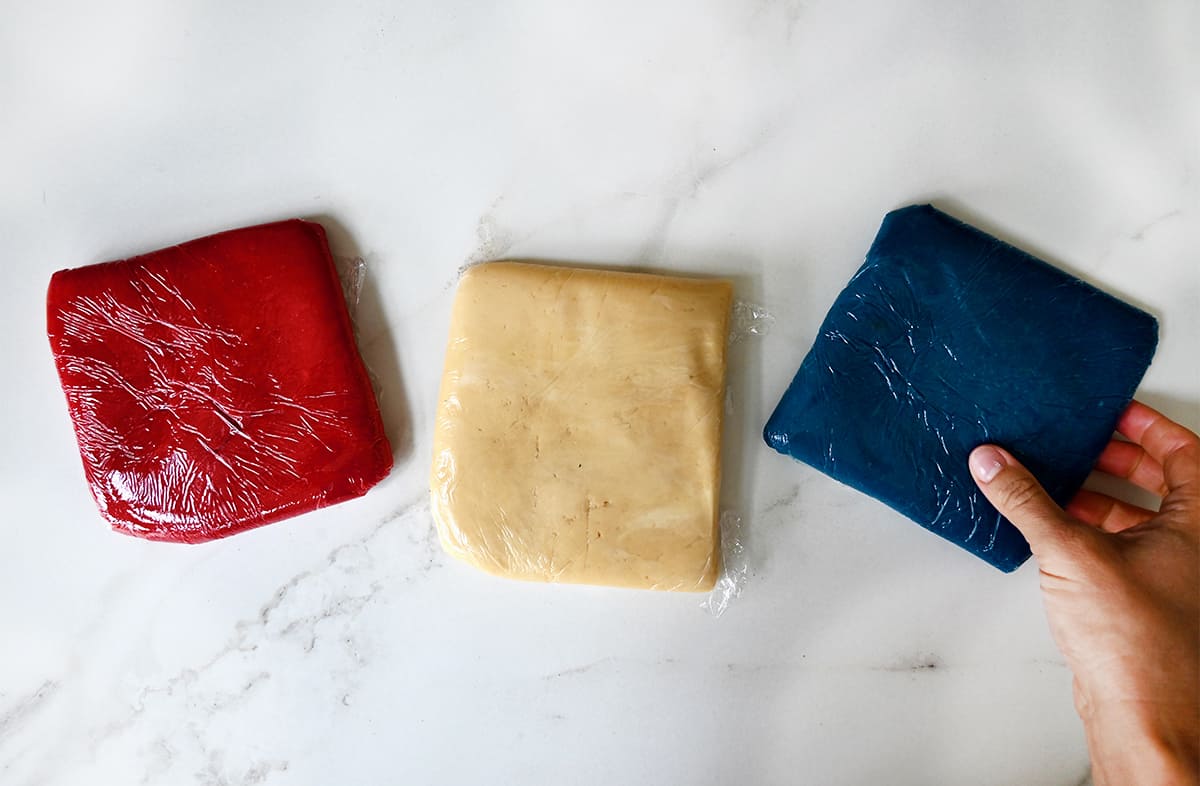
(1014, 492)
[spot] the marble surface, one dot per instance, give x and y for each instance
(759, 140)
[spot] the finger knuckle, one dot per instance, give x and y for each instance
(1185, 448)
(1020, 493)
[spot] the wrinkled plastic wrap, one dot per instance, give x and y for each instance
(749, 320)
(735, 568)
(578, 427)
(215, 386)
(947, 338)
(746, 321)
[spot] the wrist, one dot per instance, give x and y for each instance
(1144, 743)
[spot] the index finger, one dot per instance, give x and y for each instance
(1170, 444)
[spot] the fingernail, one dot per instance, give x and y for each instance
(986, 463)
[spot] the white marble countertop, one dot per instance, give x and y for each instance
(760, 140)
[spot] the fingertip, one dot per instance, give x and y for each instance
(1136, 418)
(1016, 494)
(985, 463)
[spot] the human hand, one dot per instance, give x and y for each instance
(1121, 586)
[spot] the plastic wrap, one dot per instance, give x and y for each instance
(947, 338)
(749, 320)
(578, 427)
(735, 569)
(215, 386)
(352, 273)
(746, 321)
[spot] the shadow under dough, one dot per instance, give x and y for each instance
(375, 344)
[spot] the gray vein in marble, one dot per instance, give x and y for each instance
(785, 506)
(261, 771)
(1140, 233)
(781, 502)
(496, 240)
(463, 268)
(277, 620)
(919, 664)
(1137, 235)
(584, 669)
(213, 774)
(160, 757)
(26, 707)
(916, 664)
(693, 177)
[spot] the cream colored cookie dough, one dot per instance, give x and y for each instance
(579, 426)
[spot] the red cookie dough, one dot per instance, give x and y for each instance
(215, 386)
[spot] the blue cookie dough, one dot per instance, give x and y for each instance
(947, 338)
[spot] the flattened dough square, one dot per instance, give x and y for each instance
(579, 426)
(215, 386)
